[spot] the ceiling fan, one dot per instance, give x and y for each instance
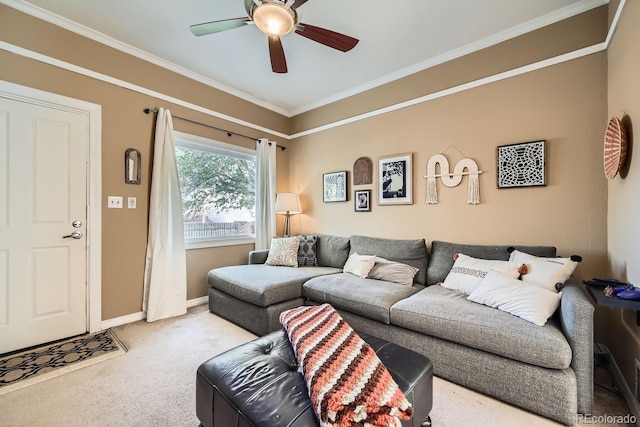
(277, 18)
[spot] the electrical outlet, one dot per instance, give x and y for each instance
(114, 202)
(131, 202)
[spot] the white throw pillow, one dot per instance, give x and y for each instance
(284, 252)
(522, 299)
(467, 272)
(360, 265)
(392, 271)
(544, 272)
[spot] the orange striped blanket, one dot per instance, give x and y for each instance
(347, 382)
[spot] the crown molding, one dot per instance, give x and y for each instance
(462, 87)
(426, 98)
(535, 24)
(551, 18)
(131, 86)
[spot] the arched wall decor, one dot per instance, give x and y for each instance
(363, 171)
(452, 179)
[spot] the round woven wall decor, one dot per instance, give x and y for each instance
(615, 147)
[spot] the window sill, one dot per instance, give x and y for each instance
(214, 243)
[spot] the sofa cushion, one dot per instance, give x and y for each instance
(264, 285)
(441, 256)
(412, 252)
(333, 251)
(447, 314)
(367, 297)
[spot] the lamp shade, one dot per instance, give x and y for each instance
(288, 203)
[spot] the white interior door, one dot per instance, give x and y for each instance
(43, 198)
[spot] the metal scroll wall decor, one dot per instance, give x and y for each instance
(452, 179)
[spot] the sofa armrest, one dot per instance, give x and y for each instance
(259, 256)
(576, 317)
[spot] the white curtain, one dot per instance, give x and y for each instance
(265, 193)
(165, 271)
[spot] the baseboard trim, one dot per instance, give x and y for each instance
(197, 301)
(622, 383)
(123, 320)
(134, 317)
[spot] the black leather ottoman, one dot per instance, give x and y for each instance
(258, 384)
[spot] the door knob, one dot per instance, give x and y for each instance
(74, 235)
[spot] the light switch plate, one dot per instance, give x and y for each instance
(131, 202)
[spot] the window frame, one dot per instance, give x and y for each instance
(195, 142)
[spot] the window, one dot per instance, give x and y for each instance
(218, 186)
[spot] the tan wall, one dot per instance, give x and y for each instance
(200, 261)
(563, 104)
(565, 36)
(124, 125)
(622, 335)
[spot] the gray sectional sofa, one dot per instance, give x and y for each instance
(544, 369)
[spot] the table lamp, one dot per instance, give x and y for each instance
(287, 204)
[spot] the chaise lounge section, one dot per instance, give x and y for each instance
(545, 369)
(254, 295)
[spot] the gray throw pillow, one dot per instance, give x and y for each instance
(391, 271)
(307, 251)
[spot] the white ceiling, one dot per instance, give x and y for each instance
(396, 39)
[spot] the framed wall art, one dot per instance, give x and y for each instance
(521, 165)
(362, 201)
(362, 171)
(395, 175)
(334, 187)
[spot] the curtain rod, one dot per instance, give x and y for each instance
(228, 132)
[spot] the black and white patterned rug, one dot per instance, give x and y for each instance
(52, 360)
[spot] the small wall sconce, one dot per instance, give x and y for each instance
(132, 166)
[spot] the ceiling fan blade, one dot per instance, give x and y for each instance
(327, 37)
(218, 26)
(298, 3)
(248, 5)
(276, 53)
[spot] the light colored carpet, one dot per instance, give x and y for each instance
(153, 384)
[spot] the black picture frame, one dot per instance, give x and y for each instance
(521, 165)
(334, 187)
(362, 201)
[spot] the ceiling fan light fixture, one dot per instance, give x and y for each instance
(274, 19)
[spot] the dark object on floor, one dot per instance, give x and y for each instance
(22, 367)
(258, 384)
